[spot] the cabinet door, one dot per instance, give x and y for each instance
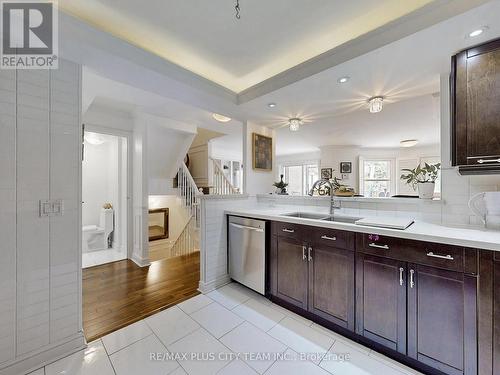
(442, 319)
(331, 285)
(496, 317)
(291, 272)
(476, 110)
(381, 301)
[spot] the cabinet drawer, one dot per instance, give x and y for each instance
(332, 237)
(448, 257)
(288, 230)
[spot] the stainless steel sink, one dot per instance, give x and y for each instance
(342, 219)
(307, 215)
(324, 217)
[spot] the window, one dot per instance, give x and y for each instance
(377, 177)
(300, 177)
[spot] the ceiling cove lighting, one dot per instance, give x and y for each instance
(477, 32)
(376, 104)
(221, 118)
(271, 105)
(408, 143)
(294, 124)
(343, 79)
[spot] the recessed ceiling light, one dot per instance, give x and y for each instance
(343, 79)
(409, 143)
(271, 105)
(294, 124)
(477, 32)
(221, 118)
(376, 104)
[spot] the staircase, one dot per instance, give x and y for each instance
(189, 240)
(221, 184)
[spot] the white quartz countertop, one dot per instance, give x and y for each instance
(422, 231)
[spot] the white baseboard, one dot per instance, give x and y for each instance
(51, 353)
(141, 262)
(206, 287)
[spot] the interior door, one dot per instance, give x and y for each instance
(331, 285)
(442, 319)
(381, 301)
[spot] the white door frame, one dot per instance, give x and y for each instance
(128, 136)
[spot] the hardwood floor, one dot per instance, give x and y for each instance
(160, 249)
(120, 293)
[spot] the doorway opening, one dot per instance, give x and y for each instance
(104, 198)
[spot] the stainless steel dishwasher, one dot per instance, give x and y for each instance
(247, 252)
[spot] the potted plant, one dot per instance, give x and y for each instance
(423, 179)
(281, 186)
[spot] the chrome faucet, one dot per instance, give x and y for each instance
(335, 204)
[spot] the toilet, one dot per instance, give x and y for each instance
(97, 237)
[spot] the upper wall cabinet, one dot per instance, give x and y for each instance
(475, 97)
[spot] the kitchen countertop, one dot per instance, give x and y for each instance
(419, 230)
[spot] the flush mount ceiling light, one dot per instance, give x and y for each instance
(221, 118)
(294, 124)
(477, 32)
(271, 105)
(376, 104)
(343, 79)
(409, 143)
(93, 139)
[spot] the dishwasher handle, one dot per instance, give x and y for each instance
(246, 227)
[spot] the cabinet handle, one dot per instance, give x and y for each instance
(288, 230)
(432, 255)
(373, 244)
(304, 257)
(481, 161)
(401, 270)
(329, 238)
(309, 254)
(412, 283)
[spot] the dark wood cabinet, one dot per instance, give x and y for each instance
(331, 285)
(442, 319)
(381, 301)
(475, 97)
(291, 272)
(429, 305)
(496, 317)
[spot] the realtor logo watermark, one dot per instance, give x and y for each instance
(29, 35)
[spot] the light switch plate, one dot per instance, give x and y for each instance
(45, 208)
(53, 207)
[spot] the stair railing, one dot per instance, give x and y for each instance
(220, 183)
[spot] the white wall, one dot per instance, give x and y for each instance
(178, 215)
(40, 270)
(167, 144)
(104, 180)
(99, 178)
(331, 156)
(254, 181)
(228, 147)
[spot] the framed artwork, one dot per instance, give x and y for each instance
(345, 167)
(262, 152)
(326, 173)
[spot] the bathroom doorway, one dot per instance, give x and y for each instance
(105, 203)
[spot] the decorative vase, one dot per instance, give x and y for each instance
(426, 190)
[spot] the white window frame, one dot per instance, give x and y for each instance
(303, 164)
(392, 180)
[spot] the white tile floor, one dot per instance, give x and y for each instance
(231, 331)
(95, 258)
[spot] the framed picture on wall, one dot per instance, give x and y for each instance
(262, 152)
(345, 167)
(326, 173)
